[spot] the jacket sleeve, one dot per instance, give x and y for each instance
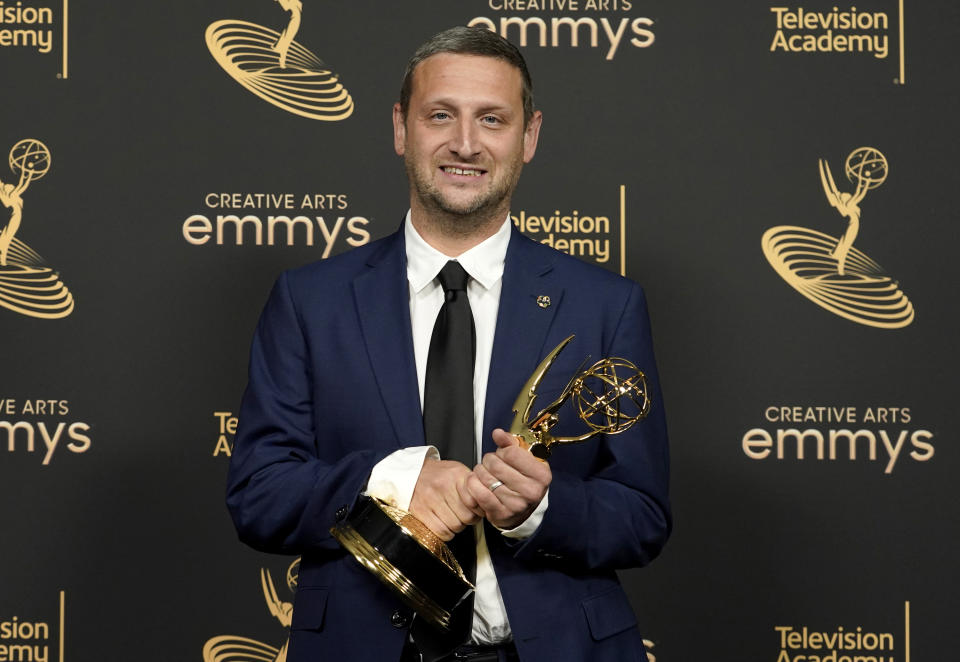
(286, 481)
(614, 514)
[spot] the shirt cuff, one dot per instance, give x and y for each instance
(529, 525)
(394, 477)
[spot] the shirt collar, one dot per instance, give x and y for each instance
(483, 262)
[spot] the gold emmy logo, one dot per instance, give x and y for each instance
(278, 69)
(27, 286)
(231, 648)
(831, 272)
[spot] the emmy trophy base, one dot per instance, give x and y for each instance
(406, 556)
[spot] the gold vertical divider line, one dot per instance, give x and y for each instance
(906, 630)
(63, 614)
(903, 59)
(66, 11)
(623, 230)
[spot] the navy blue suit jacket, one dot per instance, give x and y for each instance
(333, 390)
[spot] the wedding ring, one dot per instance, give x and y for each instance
(495, 485)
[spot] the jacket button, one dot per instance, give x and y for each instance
(341, 513)
(399, 619)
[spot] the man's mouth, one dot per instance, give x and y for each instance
(470, 172)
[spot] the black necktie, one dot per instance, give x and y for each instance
(448, 388)
(448, 424)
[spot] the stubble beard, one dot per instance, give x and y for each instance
(471, 217)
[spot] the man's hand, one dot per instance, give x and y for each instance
(524, 481)
(437, 500)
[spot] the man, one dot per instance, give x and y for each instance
(337, 377)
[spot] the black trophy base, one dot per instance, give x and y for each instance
(406, 556)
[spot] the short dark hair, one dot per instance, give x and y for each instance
(469, 41)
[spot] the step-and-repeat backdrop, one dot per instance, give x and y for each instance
(781, 177)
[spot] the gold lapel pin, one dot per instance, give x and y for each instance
(543, 301)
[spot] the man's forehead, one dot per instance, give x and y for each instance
(449, 65)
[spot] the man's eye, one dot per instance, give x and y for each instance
(490, 119)
(440, 115)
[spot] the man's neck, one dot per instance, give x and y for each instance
(453, 235)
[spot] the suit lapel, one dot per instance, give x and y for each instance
(522, 326)
(381, 296)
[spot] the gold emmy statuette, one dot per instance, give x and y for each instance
(609, 396)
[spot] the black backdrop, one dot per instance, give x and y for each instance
(692, 141)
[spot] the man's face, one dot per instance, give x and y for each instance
(463, 139)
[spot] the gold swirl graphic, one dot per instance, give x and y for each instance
(29, 288)
(863, 294)
(301, 85)
(229, 648)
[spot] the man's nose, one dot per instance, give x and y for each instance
(464, 140)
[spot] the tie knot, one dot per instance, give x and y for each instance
(453, 277)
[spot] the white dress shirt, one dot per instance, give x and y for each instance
(393, 479)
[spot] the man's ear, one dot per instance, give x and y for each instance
(399, 130)
(531, 135)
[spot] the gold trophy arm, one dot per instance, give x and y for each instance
(528, 394)
(829, 186)
(270, 595)
(554, 406)
(862, 187)
(574, 440)
(25, 179)
(14, 191)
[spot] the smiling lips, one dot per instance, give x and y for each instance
(470, 172)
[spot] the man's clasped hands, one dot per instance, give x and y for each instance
(505, 488)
